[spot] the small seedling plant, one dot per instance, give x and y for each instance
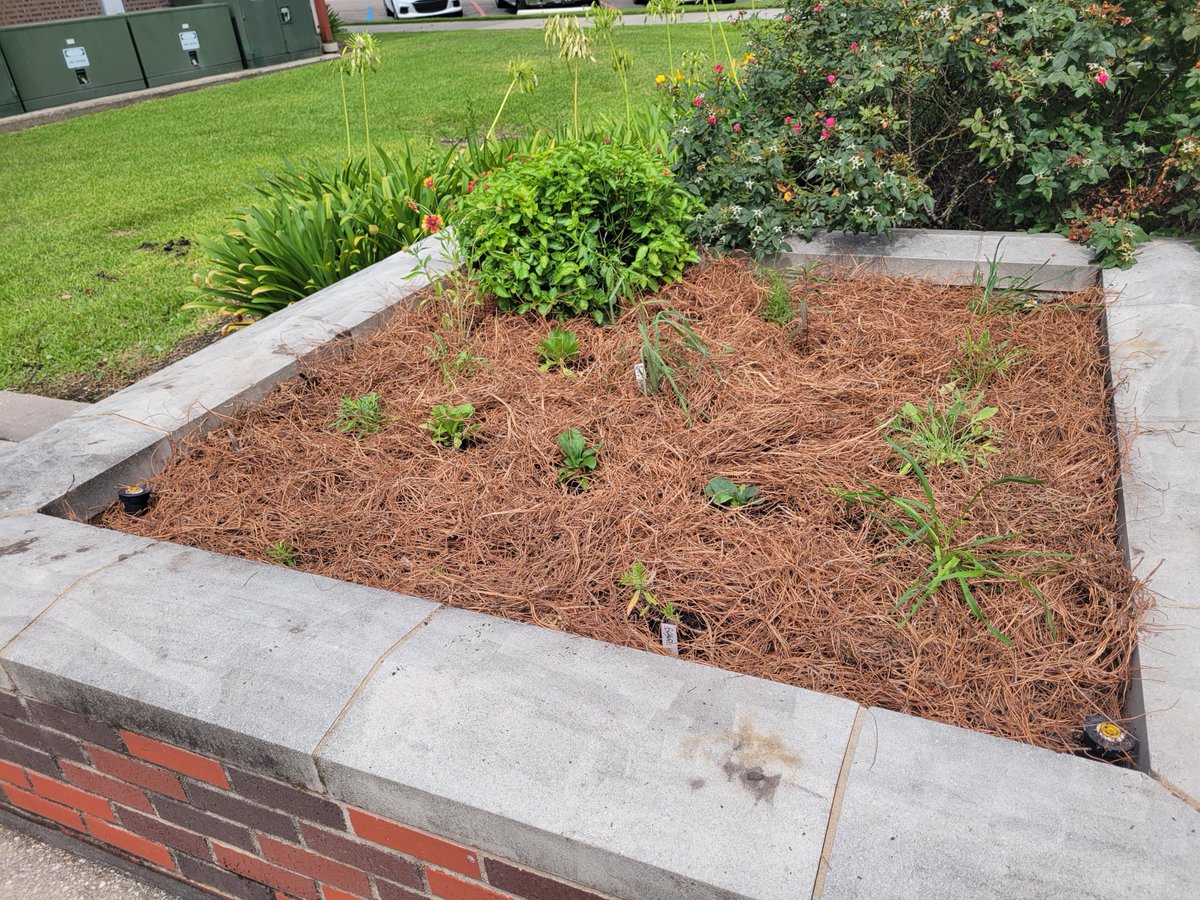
(1003, 294)
(282, 554)
(559, 349)
(957, 431)
(451, 426)
(724, 493)
(639, 579)
(359, 416)
(452, 367)
(964, 565)
(981, 359)
(669, 349)
(579, 460)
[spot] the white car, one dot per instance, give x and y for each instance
(422, 9)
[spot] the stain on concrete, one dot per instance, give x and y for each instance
(757, 761)
(16, 548)
(696, 783)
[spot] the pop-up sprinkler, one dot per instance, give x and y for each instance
(135, 499)
(1107, 739)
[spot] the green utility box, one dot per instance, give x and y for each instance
(178, 44)
(10, 103)
(270, 31)
(53, 63)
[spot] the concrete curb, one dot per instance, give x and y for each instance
(632, 774)
(23, 121)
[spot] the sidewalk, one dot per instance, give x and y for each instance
(24, 415)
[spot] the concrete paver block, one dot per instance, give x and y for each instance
(243, 660)
(1170, 679)
(1154, 352)
(47, 557)
(1167, 272)
(545, 748)
(930, 810)
(24, 415)
(77, 466)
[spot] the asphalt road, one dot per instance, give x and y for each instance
(356, 10)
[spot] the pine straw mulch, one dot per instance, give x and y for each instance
(793, 591)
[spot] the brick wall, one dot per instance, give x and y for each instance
(20, 12)
(229, 831)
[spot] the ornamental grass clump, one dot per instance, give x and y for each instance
(574, 229)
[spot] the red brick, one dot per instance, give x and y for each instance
(332, 893)
(125, 794)
(389, 891)
(256, 870)
(73, 797)
(44, 808)
(82, 727)
(28, 757)
(164, 833)
(308, 863)
(451, 887)
(362, 855)
(13, 774)
(415, 843)
(199, 767)
(532, 885)
(138, 846)
(138, 773)
(278, 795)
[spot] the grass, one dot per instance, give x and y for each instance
(79, 300)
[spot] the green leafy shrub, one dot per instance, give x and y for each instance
(317, 224)
(867, 114)
(572, 229)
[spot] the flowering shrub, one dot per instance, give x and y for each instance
(570, 230)
(866, 114)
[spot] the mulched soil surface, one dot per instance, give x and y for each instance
(794, 591)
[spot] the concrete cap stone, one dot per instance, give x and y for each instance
(77, 466)
(630, 772)
(1048, 261)
(1170, 680)
(930, 810)
(46, 557)
(24, 415)
(242, 660)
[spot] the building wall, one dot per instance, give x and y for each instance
(21, 12)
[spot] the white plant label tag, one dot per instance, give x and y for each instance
(670, 637)
(188, 40)
(76, 57)
(639, 375)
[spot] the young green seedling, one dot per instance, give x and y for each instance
(559, 348)
(579, 460)
(359, 416)
(451, 426)
(723, 492)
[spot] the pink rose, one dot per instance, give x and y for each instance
(831, 79)
(1101, 77)
(699, 101)
(830, 122)
(817, 8)
(824, 132)
(854, 46)
(795, 128)
(712, 120)
(787, 120)
(737, 127)
(718, 68)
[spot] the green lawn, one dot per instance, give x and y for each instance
(76, 295)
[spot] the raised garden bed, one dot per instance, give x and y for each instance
(796, 589)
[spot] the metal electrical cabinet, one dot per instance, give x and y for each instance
(10, 103)
(178, 44)
(53, 63)
(270, 31)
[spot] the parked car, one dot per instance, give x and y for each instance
(518, 5)
(685, 2)
(422, 9)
